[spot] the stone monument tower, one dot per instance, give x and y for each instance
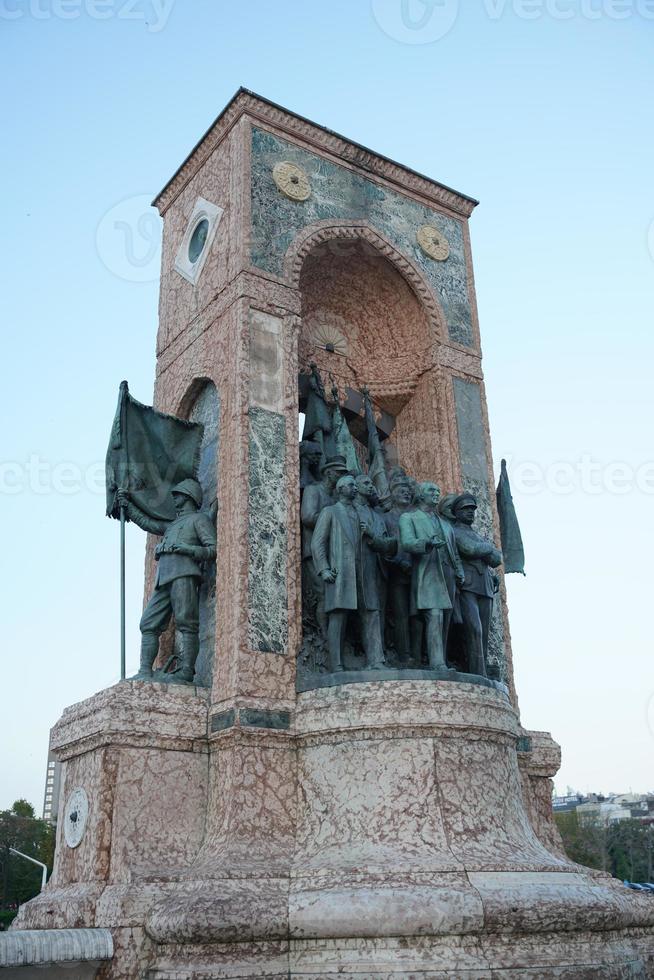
(277, 818)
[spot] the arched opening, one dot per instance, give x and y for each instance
(364, 324)
(200, 403)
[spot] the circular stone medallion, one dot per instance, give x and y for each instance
(433, 243)
(292, 181)
(75, 816)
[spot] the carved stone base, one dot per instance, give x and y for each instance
(389, 832)
(414, 856)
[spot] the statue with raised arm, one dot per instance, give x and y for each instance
(478, 556)
(188, 540)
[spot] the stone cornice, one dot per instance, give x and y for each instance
(258, 108)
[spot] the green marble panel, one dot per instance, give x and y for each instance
(268, 603)
(337, 192)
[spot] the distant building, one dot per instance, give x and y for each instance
(605, 812)
(595, 807)
(51, 795)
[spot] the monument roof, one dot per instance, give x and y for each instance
(247, 102)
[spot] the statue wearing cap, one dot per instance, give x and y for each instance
(188, 540)
(479, 556)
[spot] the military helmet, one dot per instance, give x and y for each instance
(190, 488)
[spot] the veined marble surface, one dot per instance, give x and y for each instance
(206, 409)
(268, 605)
(337, 192)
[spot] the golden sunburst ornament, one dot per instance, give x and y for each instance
(328, 337)
(292, 181)
(433, 243)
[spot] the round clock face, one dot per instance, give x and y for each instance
(433, 243)
(292, 181)
(75, 816)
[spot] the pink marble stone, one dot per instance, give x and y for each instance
(394, 830)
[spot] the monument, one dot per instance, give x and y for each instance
(339, 783)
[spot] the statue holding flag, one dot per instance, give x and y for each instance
(151, 470)
(376, 458)
(187, 541)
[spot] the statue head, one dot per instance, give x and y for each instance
(366, 489)
(332, 469)
(187, 496)
(401, 491)
(311, 454)
(445, 506)
(346, 488)
(428, 494)
(464, 507)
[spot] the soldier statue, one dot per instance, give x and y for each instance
(344, 547)
(188, 540)
(478, 556)
(423, 535)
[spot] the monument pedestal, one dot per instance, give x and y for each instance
(400, 846)
(414, 856)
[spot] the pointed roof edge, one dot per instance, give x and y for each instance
(167, 193)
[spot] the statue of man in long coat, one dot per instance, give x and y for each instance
(399, 566)
(315, 498)
(478, 556)
(428, 498)
(424, 537)
(344, 547)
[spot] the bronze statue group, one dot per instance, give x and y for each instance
(397, 578)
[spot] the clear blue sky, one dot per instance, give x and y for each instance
(542, 111)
